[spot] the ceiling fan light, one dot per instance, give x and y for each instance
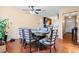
(70, 17)
(32, 12)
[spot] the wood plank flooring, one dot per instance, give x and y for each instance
(17, 47)
(69, 46)
(63, 46)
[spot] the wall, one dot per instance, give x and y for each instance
(17, 19)
(61, 17)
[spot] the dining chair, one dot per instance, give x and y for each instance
(27, 37)
(21, 33)
(51, 40)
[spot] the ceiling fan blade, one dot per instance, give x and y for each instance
(32, 8)
(36, 12)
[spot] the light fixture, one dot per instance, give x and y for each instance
(32, 12)
(69, 16)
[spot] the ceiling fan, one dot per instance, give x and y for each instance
(33, 10)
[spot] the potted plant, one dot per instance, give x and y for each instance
(3, 37)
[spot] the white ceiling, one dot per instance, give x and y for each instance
(48, 11)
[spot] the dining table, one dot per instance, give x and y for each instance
(39, 34)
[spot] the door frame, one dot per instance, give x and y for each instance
(66, 21)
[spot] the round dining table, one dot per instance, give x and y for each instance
(39, 34)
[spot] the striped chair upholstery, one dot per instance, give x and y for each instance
(21, 33)
(26, 36)
(50, 41)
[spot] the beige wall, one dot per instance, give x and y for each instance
(61, 18)
(17, 19)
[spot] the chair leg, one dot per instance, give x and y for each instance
(30, 48)
(25, 45)
(50, 49)
(23, 42)
(54, 48)
(38, 46)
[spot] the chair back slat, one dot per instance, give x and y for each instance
(21, 33)
(54, 31)
(53, 34)
(25, 33)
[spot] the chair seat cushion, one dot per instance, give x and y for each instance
(46, 41)
(28, 41)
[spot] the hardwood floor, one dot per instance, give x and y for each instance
(16, 47)
(62, 46)
(69, 46)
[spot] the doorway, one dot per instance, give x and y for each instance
(70, 23)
